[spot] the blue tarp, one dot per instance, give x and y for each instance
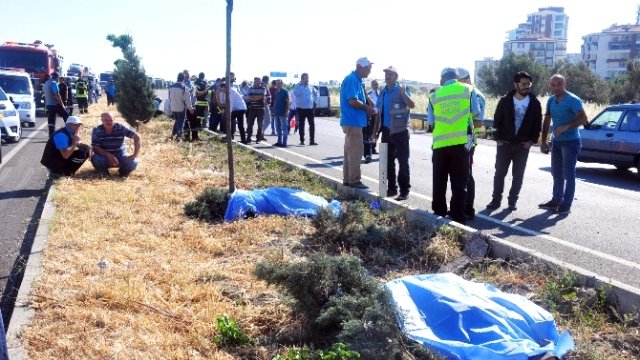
(460, 319)
(276, 201)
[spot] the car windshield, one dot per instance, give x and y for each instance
(30, 61)
(3, 96)
(15, 84)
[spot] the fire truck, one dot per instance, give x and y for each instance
(37, 59)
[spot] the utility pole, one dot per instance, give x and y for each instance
(227, 102)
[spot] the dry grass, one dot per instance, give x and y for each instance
(127, 276)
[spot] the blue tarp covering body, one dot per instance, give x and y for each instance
(460, 319)
(276, 201)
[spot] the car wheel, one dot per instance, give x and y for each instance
(18, 136)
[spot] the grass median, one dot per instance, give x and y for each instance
(126, 275)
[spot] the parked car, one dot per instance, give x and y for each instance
(17, 86)
(10, 126)
(613, 137)
(323, 106)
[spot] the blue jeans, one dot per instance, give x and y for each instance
(3, 342)
(126, 167)
(178, 125)
(282, 127)
(564, 156)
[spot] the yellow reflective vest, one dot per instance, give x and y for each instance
(452, 113)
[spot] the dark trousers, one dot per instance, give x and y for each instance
(506, 154)
(191, 125)
(73, 163)
(303, 114)
(215, 117)
(52, 111)
(451, 162)
(237, 117)
(201, 113)
(367, 133)
(110, 100)
(83, 105)
(398, 149)
(471, 187)
(254, 115)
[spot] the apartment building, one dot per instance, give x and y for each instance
(607, 52)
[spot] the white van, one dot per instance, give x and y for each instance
(17, 85)
(323, 106)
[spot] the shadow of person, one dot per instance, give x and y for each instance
(530, 226)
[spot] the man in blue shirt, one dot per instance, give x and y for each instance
(394, 103)
(354, 110)
(53, 102)
(567, 112)
(110, 150)
(64, 154)
(280, 111)
(111, 92)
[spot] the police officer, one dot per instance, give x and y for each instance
(451, 111)
(82, 95)
(201, 101)
(394, 103)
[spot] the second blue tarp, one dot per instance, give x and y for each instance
(276, 201)
(461, 319)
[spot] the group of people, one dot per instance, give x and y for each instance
(456, 112)
(192, 102)
(64, 154)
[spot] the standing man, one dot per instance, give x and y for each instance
(450, 113)
(65, 93)
(394, 103)
(111, 92)
(373, 123)
(82, 95)
(478, 118)
(353, 117)
(272, 94)
(306, 99)
(255, 109)
(280, 111)
(567, 112)
(179, 101)
(201, 101)
(109, 148)
(64, 154)
(53, 102)
(517, 123)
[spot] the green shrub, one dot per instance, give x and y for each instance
(209, 206)
(229, 334)
(338, 351)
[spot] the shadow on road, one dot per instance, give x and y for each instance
(612, 177)
(20, 194)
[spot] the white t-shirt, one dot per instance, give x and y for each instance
(374, 96)
(520, 108)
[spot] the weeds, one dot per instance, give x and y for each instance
(229, 334)
(338, 351)
(210, 206)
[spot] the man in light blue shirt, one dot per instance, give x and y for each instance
(306, 99)
(53, 102)
(354, 109)
(567, 112)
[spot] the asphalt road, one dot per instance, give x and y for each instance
(599, 235)
(23, 189)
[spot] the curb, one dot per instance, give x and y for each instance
(23, 312)
(625, 298)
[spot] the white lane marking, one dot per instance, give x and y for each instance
(23, 143)
(497, 221)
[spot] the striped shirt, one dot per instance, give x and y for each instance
(256, 104)
(114, 142)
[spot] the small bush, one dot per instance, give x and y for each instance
(209, 206)
(338, 351)
(229, 334)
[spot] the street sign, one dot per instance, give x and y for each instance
(278, 74)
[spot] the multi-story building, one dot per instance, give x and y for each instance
(607, 53)
(544, 36)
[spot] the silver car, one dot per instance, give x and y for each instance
(613, 137)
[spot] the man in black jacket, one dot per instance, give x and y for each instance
(517, 123)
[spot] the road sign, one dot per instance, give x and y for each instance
(278, 74)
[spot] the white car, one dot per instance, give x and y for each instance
(17, 85)
(10, 126)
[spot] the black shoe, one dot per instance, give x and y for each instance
(392, 192)
(562, 210)
(367, 159)
(358, 185)
(277, 145)
(313, 143)
(493, 205)
(402, 196)
(512, 207)
(301, 142)
(549, 205)
(469, 215)
(374, 152)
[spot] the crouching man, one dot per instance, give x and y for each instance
(64, 154)
(109, 147)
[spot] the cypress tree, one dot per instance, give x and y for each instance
(134, 95)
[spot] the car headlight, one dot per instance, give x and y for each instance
(24, 105)
(9, 113)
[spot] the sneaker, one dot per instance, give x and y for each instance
(313, 143)
(359, 185)
(549, 205)
(402, 196)
(392, 192)
(493, 205)
(562, 210)
(367, 159)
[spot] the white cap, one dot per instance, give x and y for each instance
(73, 120)
(363, 62)
(391, 69)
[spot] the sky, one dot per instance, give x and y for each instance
(323, 38)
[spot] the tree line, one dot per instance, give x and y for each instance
(497, 79)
